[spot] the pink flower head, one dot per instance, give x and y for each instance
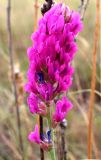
(50, 68)
(62, 108)
(53, 50)
(36, 105)
(34, 136)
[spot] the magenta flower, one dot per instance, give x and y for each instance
(45, 140)
(50, 68)
(36, 105)
(62, 108)
(50, 71)
(34, 136)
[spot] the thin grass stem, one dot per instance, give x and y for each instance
(84, 91)
(83, 7)
(36, 6)
(93, 81)
(13, 76)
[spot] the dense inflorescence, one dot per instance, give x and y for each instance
(50, 70)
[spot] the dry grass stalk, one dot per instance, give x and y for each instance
(77, 81)
(93, 81)
(20, 91)
(11, 146)
(80, 108)
(85, 117)
(36, 6)
(71, 156)
(19, 84)
(12, 72)
(83, 7)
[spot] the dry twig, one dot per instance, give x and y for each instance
(83, 7)
(12, 72)
(93, 80)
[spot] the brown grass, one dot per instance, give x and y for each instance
(93, 81)
(11, 146)
(11, 58)
(36, 7)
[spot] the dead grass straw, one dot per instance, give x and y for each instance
(11, 146)
(36, 6)
(93, 81)
(83, 7)
(10, 50)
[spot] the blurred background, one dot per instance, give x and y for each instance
(23, 22)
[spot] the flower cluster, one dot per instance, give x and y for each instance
(45, 141)
(50, 71)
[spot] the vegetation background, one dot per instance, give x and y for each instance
(23, 23)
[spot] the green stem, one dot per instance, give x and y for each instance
(52, 151)
(52, 154)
